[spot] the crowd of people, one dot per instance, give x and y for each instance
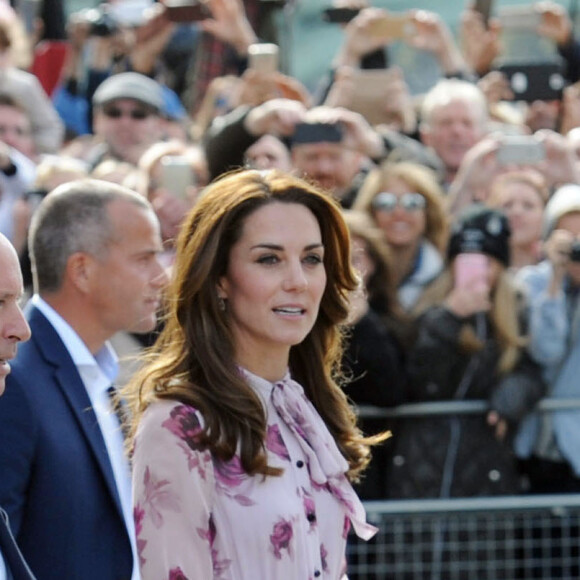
(274, 257)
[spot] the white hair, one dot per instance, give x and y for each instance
(449, 90)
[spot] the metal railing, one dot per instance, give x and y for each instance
(469, 407)
(507, 538)
(501, 538)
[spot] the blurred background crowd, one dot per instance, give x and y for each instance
(448, 134)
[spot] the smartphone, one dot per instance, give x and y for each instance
(176, 175)
(186, 10)
(520, 16)
(535, 81)
(520, 150)
(393, 26)
(263, 57)
(470, 269)
(484, 7)
(373, 90)
(339, 15)
(317, 133)
(129, 12)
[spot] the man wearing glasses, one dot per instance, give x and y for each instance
(127, 117)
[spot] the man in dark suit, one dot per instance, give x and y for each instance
(13, 329)
(65, 477)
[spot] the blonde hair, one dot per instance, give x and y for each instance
(533, 179)
(424, 181)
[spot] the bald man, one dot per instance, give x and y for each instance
(13, 329)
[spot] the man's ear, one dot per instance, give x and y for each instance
(79, 271)
(425, 136)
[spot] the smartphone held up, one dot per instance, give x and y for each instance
(471, 270)
(183, 11)
(263, 57)
(520, 150)
(177, 175)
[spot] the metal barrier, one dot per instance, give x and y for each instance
(500, 538)
(507, 538)
(467, 407)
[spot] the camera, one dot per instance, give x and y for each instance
(101, 21)
(575, 251)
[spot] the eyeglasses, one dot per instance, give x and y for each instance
(387, 201)
(135, 114)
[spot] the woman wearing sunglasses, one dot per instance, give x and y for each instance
(406, 202)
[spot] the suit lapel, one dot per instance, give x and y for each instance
(69, 381)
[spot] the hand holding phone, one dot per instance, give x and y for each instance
(470, 293)
(471, 270)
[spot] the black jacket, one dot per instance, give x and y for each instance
(459, 455)
(375, 362)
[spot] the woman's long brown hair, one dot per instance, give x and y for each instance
(193, 359)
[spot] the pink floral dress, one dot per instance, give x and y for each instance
(200, 519)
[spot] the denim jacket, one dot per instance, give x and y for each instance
(554, 344)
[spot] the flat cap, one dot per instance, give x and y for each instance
(130, 85)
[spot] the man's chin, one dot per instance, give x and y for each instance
(144, 326)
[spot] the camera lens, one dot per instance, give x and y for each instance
(101, 22)
(575, 251)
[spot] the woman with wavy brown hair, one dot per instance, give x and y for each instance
(244, 443)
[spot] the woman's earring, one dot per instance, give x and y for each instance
(221, 303)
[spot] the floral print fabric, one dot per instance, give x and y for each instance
(197, 518)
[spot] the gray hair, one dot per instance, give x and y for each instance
(448, 90)
(73, 218)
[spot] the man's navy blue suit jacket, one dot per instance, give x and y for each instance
(56, 482)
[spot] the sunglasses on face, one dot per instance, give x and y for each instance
(135, 114)
(386, 201)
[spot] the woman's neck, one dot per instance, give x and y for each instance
(524, 256)
(403, 261)
(270, 366)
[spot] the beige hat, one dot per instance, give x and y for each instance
(130, 85)
(565, 200)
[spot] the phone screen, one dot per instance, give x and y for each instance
(470, 270)
(522, 150)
